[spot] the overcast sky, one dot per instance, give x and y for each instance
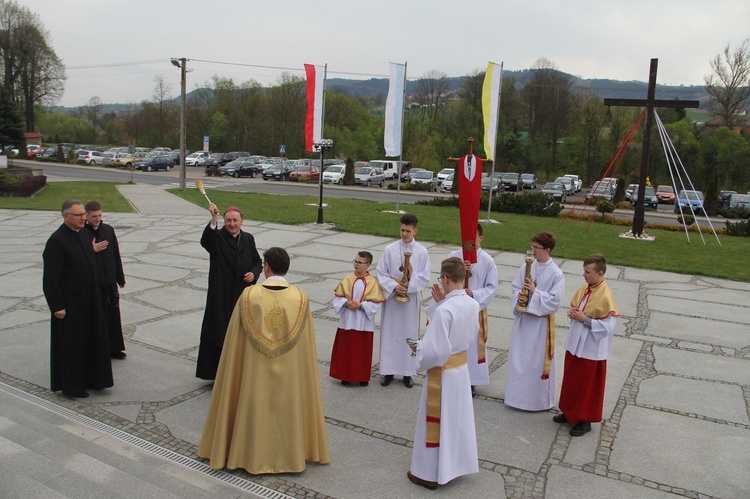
(114, 49)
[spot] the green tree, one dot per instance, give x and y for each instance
(11, 128)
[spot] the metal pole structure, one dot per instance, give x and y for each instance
(320, 184)
(183, 70)
(401, 151)
(182, 64)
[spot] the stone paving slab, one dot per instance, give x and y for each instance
(677, 379)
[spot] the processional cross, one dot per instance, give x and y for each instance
(650, 103)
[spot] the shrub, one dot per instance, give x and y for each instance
(605, 206)
(740, 229)
(16, 185)
(686, 219)
(624, 205)
(737, 212)
(532, 203)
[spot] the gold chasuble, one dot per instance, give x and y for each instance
(266, 411)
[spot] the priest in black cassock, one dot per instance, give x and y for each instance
(234, 265)
(110, 274)
(79, 352)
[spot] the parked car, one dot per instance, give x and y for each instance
(568, 183)
(529, 180)
(664, 194)
(127, 159)
(630, 191)
(304, 173)
(444, 174)
(90, 157)
(493, 185)
(275, 172)
(740, 201)
(577, 182)
(512, 182)
(557, 190)
(447, 184)
(425, 177)
(334, 174)
(601, 189)
(650, 199)
(175, 155)
(688, 199)
(407, 175)
(162, 162)
(368, 176)
(197, 158)
(240, 167)
(258, 159)
(724, 197)
(217, 159)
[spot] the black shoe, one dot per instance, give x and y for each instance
(418, 481)
(386, 380)
(559, 418)
(80, 394)
(345, 383)
(119, 355)
(580, 429)
(364, 383)
(408, 382)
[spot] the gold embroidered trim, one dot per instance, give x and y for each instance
(274, 322)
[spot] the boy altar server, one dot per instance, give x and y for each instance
(593, 315)
(357, 299)
(445, 440)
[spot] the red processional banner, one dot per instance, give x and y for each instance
(469, 173)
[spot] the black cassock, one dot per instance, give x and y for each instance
(111, 276)
(79, 353)
(229, 261)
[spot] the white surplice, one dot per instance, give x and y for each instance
(454, 323)
(398, 320)
(483, 285)
(358, 320)
(524, 387)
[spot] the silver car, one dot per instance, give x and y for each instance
(368, 176)
(427, 178)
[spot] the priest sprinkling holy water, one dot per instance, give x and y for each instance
(531, 380)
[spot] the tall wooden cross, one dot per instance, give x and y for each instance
(650, 103)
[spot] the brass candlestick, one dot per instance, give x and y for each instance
(529, 259)
(404, 281)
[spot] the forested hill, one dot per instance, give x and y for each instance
(601, 88)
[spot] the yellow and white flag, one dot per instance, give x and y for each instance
(493, 80)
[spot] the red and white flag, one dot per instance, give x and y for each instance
(316, 85)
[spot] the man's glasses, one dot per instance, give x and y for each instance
(537, 247)
(357, 262)
(77, 214)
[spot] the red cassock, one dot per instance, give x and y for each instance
(469, 173)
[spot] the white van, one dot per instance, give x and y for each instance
(389, 167)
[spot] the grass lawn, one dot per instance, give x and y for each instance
(55, 193)
(670, 252)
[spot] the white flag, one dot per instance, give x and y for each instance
(394, 110)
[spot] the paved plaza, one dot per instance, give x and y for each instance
(676, 407)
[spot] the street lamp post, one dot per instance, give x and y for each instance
(182, 64)
(322, 146)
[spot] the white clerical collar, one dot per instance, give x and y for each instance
(275, 278)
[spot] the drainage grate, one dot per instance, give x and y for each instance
(228, 478)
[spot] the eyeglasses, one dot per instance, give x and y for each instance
(537, 247)
(357, 262)
(76, 214)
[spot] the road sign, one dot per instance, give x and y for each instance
(282, 149)
(205, 142)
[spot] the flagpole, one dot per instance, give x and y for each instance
(401, 150)
(494, 142)
(322, 149)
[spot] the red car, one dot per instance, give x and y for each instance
(665, 194)
(305, 173)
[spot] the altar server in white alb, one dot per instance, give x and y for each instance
(531, 380)
(400, 319)
(445, 441)
(482, 287)
(593, 316)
